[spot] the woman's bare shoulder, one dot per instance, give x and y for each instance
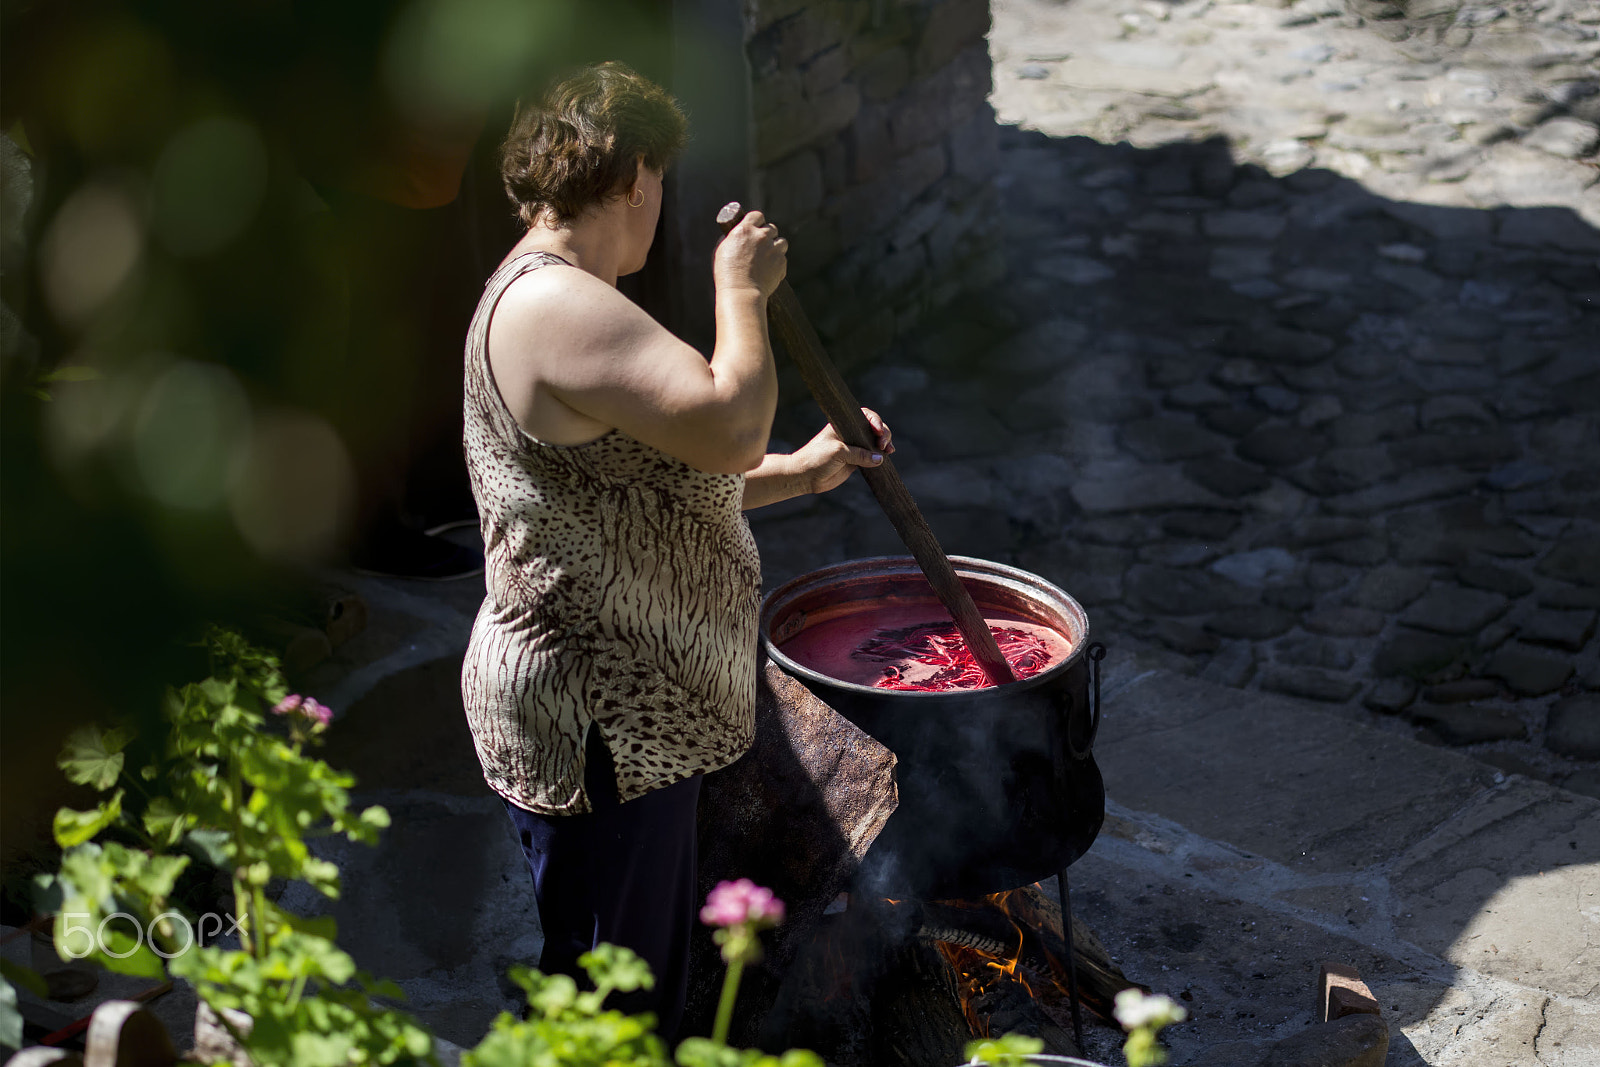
(570, 331)
(563, 305)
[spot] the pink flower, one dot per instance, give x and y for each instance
(295, 704)
(734, 903)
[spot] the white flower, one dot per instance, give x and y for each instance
(1135, 1009)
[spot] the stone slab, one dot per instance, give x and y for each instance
(1227, 833)
(1310, 683)
(1411, 488)
(1415, 654)
(1452, 609)
(1573, 728)
(1356, 1041)
(1227, 477)
(1254, 622)
(1468, 724)
(1528, 672)
(1274, 776)
(1576, 560)
(1390, 588)
(1565, 630)
(444, 906)
(1164, 439)
(1488, 890)
(1181, 591)
(1344, 622)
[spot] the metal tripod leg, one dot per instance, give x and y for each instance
(1072, 962)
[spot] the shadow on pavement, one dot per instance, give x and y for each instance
(1373, 415)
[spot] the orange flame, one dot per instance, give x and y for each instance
(980, 974)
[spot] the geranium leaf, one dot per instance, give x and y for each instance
(10, 1017)
(163, 821)
(160, 875)
(75, 827)
(93, 756)
(212, 845)
(26, 977)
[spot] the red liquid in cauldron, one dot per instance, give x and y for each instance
(914, 647)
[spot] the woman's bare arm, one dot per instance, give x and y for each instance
(566, 338)
(823, 464)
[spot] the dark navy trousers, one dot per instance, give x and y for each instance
(623, 873)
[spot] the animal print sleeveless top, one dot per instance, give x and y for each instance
(623, 591)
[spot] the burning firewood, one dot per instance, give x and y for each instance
(907, 982)
(1015, 939)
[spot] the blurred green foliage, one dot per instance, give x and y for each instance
(239, 243)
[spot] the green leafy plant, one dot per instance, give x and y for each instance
(1009, 1050)
(10, 1018)
(568, 1027)
(227, 789)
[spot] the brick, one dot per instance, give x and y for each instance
(809, 32)
(835, 165)
(764, 13)
(958, 223)
(942, 101)
(884, 75)
(914, 224)
(825, 71)
(870, 153)
(812, 246)
(793, 188)
(797, 125)
(893, 26)
(873, 208)
(775, 92)
(1341, 992)
(896, 272)
(866, 341)
(974, 146)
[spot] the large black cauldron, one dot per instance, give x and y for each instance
(998, 787)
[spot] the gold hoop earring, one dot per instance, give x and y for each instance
(639, 193)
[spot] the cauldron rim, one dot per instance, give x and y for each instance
(968, 567)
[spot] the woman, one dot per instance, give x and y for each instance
(613, 660)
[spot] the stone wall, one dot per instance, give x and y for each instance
(873, 145)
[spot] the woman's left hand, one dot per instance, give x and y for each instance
(826, 461)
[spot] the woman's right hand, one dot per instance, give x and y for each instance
(751, 256)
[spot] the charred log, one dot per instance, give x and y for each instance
(796, 814)
(917, 1014)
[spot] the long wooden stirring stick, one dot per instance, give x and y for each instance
(792, 327)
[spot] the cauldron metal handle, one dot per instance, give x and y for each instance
(1095, 653)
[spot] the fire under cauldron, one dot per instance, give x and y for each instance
(998, 787)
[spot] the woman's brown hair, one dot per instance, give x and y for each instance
(578, 146)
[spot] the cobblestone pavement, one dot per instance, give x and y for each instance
(1428, 101)
(1300, 385)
